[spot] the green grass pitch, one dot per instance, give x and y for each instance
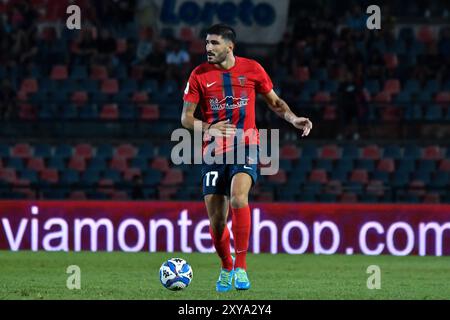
(118, 275)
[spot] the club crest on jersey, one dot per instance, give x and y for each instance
(242, 80)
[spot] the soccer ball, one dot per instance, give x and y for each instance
(175, 274)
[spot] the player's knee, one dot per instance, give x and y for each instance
(239, 200)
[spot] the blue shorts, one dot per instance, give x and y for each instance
(216, 178)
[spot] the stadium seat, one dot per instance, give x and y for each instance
(119, 163)
(325, 164)
(350, 151)
(77, 195)
(386, 165)
(443, 98)
(99, 72)
(36, 164)
(359, 175)
(425, 34)
(126, 151)
(329, 113)
(109, 112)
(372, 152)
(70, 177)
(139, 97)
(110, 86)
(348, 198)
(289, 152)
(79, 98)
(59, 72)
(302, 74)
(150, 112)
(444, 165)
(279, 178)
(318, 175)
(84, 150)
(390, 60)
(330, 152)
(172, 177)
(50, 175)
(375, 187)
(121, 46)
(77, 163)
(29, 85)
(160, 163)
(21, 150)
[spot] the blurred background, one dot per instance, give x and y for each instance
(88, 114)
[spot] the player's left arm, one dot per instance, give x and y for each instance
(281, 108)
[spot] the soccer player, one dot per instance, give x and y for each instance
(225, 87)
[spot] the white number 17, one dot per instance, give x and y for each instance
(214, 175)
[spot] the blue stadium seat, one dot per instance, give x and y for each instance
(111, 174)
(423, 176)
(303, 164)
(42, 150)
(15, 163)
(97, 164)
(56, 163)
(354, 187)
(140, 162)
(367, 164)
(70, 177)
(412, 86)
(327, 198)
(406, 165)
(440, 180)
(392, 151)
(145, 150)
(104, 151)
(90, 177)
(344, 165)
(427, 165)
(350, 151)
(381, 176)
(88, 112)
(340, 175)
(63, 151)
(79, 73)
(29, 175)
(400, 179)
(325, 164)
(152, 177)
(309, 151)
(412, 152)
(413, 112)
(433, 113)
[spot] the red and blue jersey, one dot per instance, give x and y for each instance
(229, 94)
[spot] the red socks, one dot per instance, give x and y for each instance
(222, 245)
(241, 234)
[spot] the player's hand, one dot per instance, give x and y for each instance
(222, 129)
(304, 124)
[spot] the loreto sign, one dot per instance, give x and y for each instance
(255, 21)
(293, 228)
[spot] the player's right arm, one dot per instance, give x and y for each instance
(221, 128)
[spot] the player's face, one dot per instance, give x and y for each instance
(217, 48)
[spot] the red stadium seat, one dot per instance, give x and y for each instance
(160, 163)
(330, 152)
(139, 97)
(372, 152)
(110, 86)
(109, 112)
(119, 163)
(84, 150)
(137, 72)
(27, 111)
(359, 175)
(80, 98)
(77, 163)
(318, 175)
(432, 198)
(392, 86)
(329, 113)
(99, 73)
(150, 112)
(106, 186)
(167, 193)
(36, 164)
(349, 198)
(444, 165)
(126, 151)
(432, 153)
(443, 98)
(382, 97)
(302, 74)
(417, 187)
(77, 195)
(50, 175)
(59, 73)
(173, 177)
(186, 34)
(9, 175)
(119, 195)
(29, 86)
(390, 60)
(333, 187)
(289, 152)
(130, 173)
(386, 165)
(322, 97)
(425, 34)
(391, 114)
(21, 150)
(278, 178)
(121, 46)
(197, 47)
